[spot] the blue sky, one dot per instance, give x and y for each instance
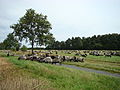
(69, 18)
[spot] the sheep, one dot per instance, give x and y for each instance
(48, 60)
(22, 57)
(108, 55)
(78, 59)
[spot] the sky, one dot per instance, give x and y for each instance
(69, 18)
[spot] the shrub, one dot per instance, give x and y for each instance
(23, 48)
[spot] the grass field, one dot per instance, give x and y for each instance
(40, 76)
(100, 63)
(97, 62)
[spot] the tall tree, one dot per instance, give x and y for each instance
(1, 46)
(11, 42)
(34, 28)
(68, 44)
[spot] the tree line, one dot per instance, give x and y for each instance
(96, 42)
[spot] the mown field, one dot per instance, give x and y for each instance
(31, 75)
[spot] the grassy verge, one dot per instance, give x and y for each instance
(61, 78)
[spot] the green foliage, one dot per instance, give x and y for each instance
(13, 49)
(100, 42)
(1, 46)
(10, 43)
(33, 27)
(23, 48)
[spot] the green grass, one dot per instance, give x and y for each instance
(3, 54)
(98, 62)
(113, 59)
(113, 68)
(61, 78)
(95, 62)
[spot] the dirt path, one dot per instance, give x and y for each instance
(92, 70)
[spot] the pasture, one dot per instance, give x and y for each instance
(110, 64)
(101, 63)
(32, 75)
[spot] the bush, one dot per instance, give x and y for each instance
(23, 48)
(13, 49)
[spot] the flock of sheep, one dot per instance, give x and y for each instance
(52, 56)
(49, 57)
(105, 53)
